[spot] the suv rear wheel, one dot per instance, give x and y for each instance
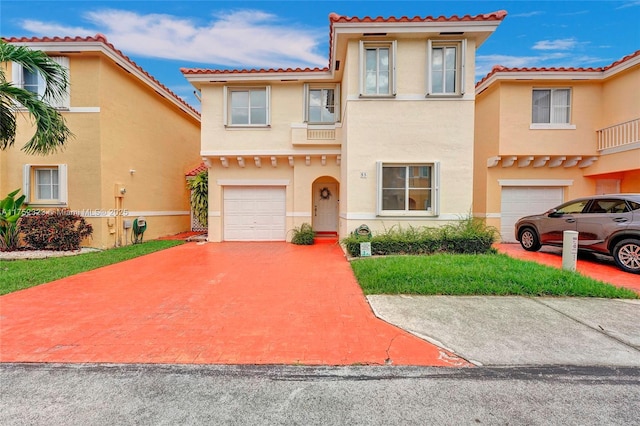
(627, 255)
(529, 240)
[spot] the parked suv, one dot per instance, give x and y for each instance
(606, 224)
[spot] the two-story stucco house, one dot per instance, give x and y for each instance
(133, 142)
(383, 136)
(548, 135)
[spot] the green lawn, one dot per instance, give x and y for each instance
(489, 274)
(20, 274)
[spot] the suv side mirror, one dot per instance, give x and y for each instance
(554, 213)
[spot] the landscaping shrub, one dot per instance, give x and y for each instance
(467, 236)
(303, 235)
(11, 209)
(58, 230)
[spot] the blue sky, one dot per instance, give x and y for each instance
(162, 36)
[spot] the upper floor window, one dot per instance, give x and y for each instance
(323, 104)
(407, 189)
(551, 106)
(34, 82)
(247, 106)
(445, 67)
(377, 62)
(45, 184)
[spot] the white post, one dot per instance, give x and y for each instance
(569, 250)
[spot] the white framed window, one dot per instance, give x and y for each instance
(45, 184)
(247, 106)
(445, 67)
(408, 189)
(378, 67)
(551, 106)
(322, 104)
(34, 82)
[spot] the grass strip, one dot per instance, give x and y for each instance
(20, 274)
(461, 274)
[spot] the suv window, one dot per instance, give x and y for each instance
(574, 207)
(608, 206)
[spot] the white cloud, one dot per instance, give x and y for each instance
(527, 14)
(629, 4)
(560, 44)
(245, 38)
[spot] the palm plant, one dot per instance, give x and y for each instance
(199, 187)
(51, 130)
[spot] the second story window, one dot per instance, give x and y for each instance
(377, 62)
(551, 106)
(247, 106)
(323, 104)
(445, 68)
(34, 82)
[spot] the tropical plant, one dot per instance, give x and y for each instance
(303, 235)
(11, 210)
(51, 130)
(199, 187)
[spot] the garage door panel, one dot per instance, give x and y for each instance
(254, 213)
(519, 201)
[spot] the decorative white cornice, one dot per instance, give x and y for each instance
(538, 161)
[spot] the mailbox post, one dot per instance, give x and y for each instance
(569, 250)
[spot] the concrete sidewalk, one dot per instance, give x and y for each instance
(510, 331)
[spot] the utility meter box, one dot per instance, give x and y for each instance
(119, 190)
(127, 223)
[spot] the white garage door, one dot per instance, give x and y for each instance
(254, 213)
(518, 201)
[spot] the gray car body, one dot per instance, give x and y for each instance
(597, 231)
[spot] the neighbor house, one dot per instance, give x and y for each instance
(547, 135)
(383, 136)
(133, 142)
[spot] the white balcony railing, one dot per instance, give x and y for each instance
(619, 135)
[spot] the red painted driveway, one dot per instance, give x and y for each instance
(225, 303)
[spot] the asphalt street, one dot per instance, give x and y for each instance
(86, 394)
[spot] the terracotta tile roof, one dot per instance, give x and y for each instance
(493, 16)
(194, 172)
(250, 71)
(499, 68)
(100, 38)
(336, 18)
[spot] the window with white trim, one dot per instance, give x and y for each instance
(34, 82)
(445, 67)
(247, 106)
(408, 189)
(551, 106)
(45, 184)
(377, 65)
(322, 104)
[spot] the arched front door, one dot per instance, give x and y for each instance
(325, 207)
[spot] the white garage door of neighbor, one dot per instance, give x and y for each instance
(254, 213)
(518, 201)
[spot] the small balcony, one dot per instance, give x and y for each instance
(619, 137)
(307, 135)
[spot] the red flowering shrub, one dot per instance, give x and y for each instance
(58, 230)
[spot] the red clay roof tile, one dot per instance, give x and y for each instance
(499, 68)
(194, 172)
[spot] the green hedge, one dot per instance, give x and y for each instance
(469, 236)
